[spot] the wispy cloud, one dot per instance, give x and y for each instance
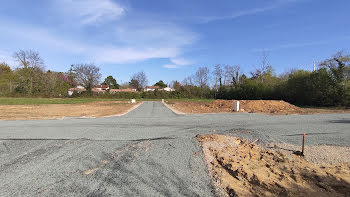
(134, 38)
(147, 45)
(177, 63)
(92, 11)
(276, 4)
(130, 55)
(301, 44)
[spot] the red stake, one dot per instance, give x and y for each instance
(302, 148)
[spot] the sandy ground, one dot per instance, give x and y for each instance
(250, 106)
(242, 168)
(56, 111)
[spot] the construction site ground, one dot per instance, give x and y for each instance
(275, 107)
(242, 168)
(57, 111)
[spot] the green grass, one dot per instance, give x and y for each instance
(37, 101)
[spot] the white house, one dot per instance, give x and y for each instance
(78, 89)
(151, 88)
(168, 89)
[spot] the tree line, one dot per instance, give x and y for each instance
(329, 85)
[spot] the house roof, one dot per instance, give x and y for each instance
(152, 87)
(97, 90)
(102, 86)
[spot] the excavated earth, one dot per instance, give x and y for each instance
(242, 168)
(276, 107)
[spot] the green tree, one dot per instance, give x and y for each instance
(6, 79)
(111, 82)
(30, 71)
(161, 84)
(339, 69)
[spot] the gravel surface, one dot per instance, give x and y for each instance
(149, 151)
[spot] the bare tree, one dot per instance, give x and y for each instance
(29, 59)
(218, 74)
(31, 67)
(202, 77)
(231, 74)
(188, 81)
(87, 75)
(264, 68)
(141, 79)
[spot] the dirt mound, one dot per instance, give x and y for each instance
(243, 169)
(251, 106)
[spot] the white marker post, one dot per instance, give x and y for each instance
(236, 106)
(133, 100)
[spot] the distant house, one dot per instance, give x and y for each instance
(151, 88)
(168, 89)
(101, 87)
(78, 89)
(113, 91)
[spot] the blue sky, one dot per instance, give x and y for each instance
(170, 39)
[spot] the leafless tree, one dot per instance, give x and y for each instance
(188, 81)
(87, 75)
(175, 84)
(202, 77)
(231, 74)
(218, 74)
(141, 79)
(29, 59)
(263, 69)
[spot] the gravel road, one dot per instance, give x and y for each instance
(150, 151)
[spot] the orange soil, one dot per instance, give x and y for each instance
(240, 168)
(55, 111)
(250, 106)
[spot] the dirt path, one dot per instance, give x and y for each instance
(251, 106)
(242, 168)
(57, 111)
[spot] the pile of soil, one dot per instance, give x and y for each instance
(56, 111)
(250, 106)
(240, 168)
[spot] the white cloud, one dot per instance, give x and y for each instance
(276, 4)
(127, 55)
(180, 61)
(126, 41)
(92, 11)
(177, 63)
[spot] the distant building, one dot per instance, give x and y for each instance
(78, 89)
(151, 88)
(168, 89)
(101, 87)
